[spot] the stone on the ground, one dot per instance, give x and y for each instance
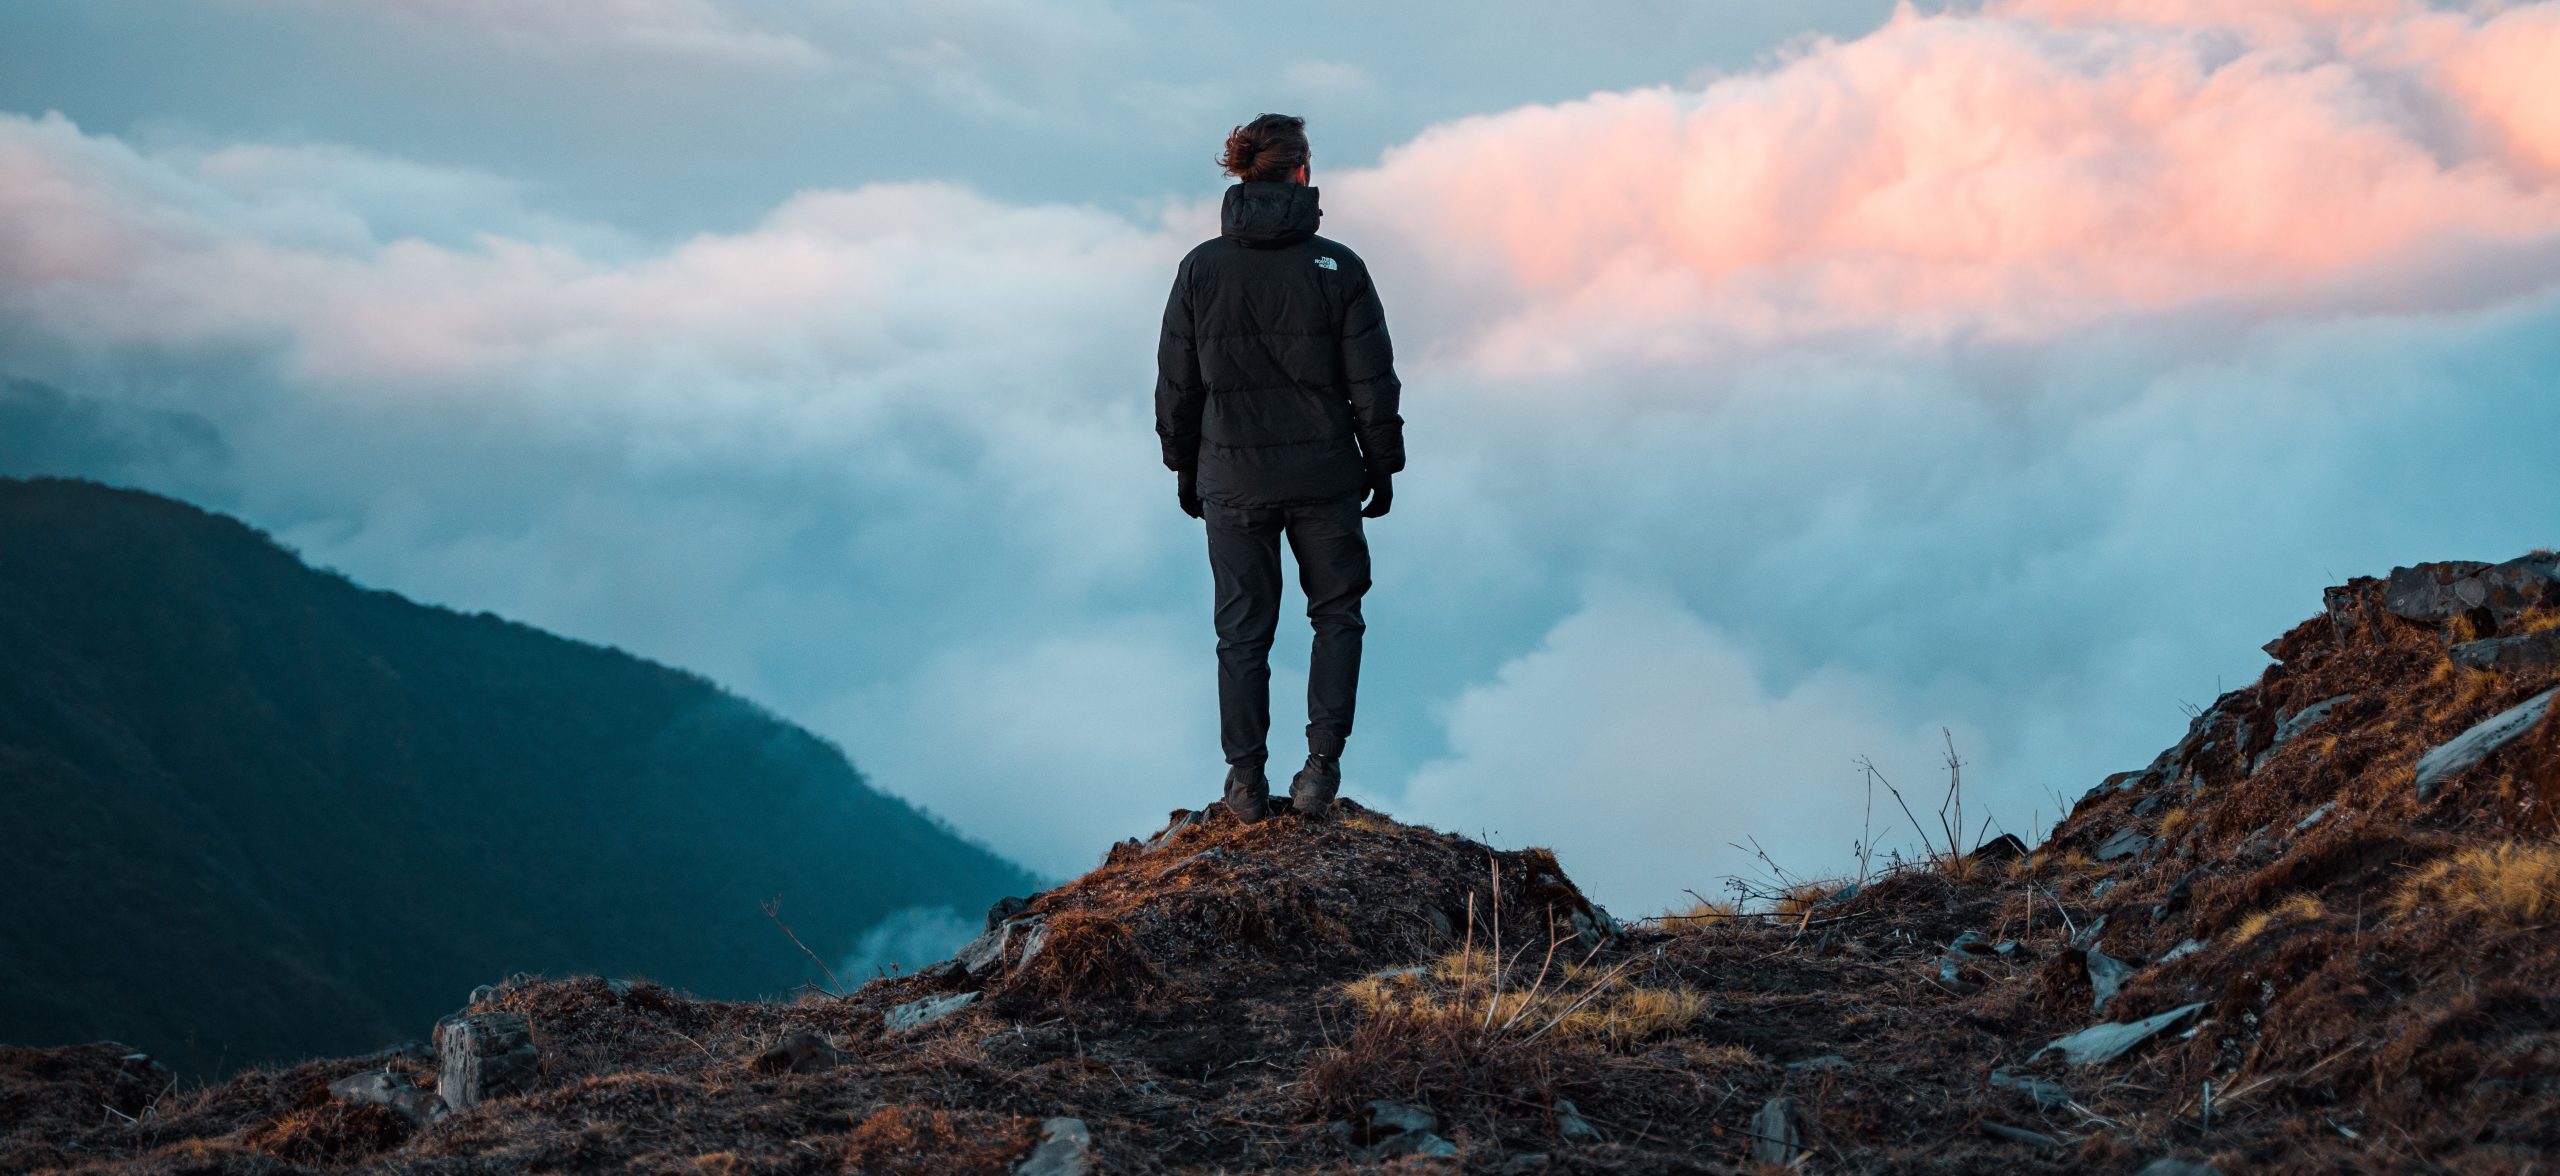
(2106, 975)
(986, 953)
(2126, 843)
(2185, 948)
(2523, 655)
(2046, 1092)
(482, 1056)
(419, 1105)
(917, 1014)
(1999, 849)
(1999, 1130)
(1065, 1149)
(2474, 745)
(1385, 1128)
(1571, 1126)
(2106, 1043)
(2173, 1166)
(1005, 908)
(2297, 723)
(1774, 1138)
(800, 1053)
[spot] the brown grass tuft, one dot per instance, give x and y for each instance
(1088, 957)
(929, 1141)
(2514, 883)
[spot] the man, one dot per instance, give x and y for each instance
(1276, 402)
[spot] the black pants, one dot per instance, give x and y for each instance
(1333, 568)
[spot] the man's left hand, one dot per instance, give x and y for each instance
(1186, 489)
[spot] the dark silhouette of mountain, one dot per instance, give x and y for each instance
(251, 811)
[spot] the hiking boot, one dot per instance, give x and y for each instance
(1311, 790)
(1248, 793)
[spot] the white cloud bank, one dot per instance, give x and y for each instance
(2016, 370)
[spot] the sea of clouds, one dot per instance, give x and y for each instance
(2005, 374)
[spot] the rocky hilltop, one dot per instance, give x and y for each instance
(2316, 934)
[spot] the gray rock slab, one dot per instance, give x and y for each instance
(916, 1014)
(2106, 1043)
(2525, 654)
(2125, 843)
(2474, 745)
(419, 1105)
(1774, 1136)
(1065, 1149)
(483, 1056)
(2106, 975)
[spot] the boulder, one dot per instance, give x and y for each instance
(483, 1056)
(1571, 1126)
(2492, 595)
(2523, 655)
(2474, 745)
(419, 1105)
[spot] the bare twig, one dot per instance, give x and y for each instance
(773, 911)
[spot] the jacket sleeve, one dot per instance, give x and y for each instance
(1369, 376)
(1180, 394)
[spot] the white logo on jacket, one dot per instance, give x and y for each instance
(1326, 263)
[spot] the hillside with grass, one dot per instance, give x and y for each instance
(254, 812)
(2316, 934)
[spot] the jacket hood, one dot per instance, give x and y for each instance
(1266, 215)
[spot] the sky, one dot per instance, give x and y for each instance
(1787, 385)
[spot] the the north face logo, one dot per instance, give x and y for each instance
(1326, 263)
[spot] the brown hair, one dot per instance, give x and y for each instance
(1272, 148)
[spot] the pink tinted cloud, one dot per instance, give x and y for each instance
(2017, 172)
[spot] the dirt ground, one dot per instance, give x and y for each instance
(2362, 980)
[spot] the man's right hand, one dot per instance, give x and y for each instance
(1382, 496)
(1186, 489)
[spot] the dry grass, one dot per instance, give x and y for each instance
(2515, 883)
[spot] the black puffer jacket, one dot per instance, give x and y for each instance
(1274, 378)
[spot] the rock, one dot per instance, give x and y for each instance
(1005, 908)
(2526, 654)
(2306, 718)
(1384, 1128)
(2314, 818)
(1211, 854)
(1032, 942)
(2047, 1093)
(1774, 1138)
(1571, 1126)
(800, 1053)
(917, 1014)
(2474, 745)
(2173, 1166)
(2100, 890)
(482, 1056)
(2494, 593)
(2106, 975)
(1065, 1149)
(1968, 943)
(2177, 895)
(1175, 822)
(2185, 948)
(419, 1105)
(1999, 849)
(986, 953)
(1825, 1062)
(2105, 1043)
(1999, 1130)
(2088, 936)
(2126, 843)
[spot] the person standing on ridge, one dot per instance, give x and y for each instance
(1276, 403)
